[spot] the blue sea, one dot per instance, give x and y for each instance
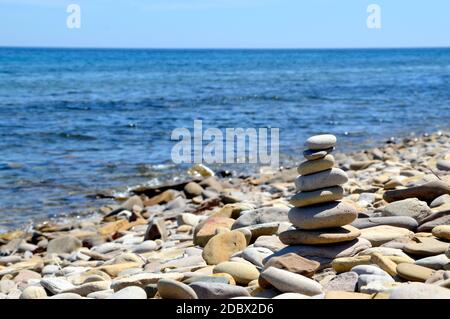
(74, 122)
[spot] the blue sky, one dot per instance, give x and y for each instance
(225, 23)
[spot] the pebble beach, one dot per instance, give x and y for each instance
(370, 224)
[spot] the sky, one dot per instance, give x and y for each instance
(225, 23)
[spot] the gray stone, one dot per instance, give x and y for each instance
(443, 165)
(89, 287)
(328, 178)
(397, 221)
(434, 262)
(436, 219)
(56, 285)
(441, 200)
(256, 255)
(411, 207)
(418, 290)
(320, 142)
(346, 281)
(172, 289)
(261, 216)
(131, 292)
(145, 247)
(67, 295)
(325, 215)
(316, 154)
(365, 280)
(206, 290)
(286, 281)
(271, 242)
(33, 292)
(63, 245)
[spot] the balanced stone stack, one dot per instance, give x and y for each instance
(320, 215)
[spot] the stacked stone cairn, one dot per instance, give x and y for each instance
(320, 215)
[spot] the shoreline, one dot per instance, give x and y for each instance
(154, 235)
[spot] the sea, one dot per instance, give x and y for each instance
(78, 122)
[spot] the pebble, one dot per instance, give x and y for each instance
(384, 263)
(103, 294)
(286, 281)
(442, 232)
(426, 248)
(397, 221)
(242, 273)
(320, 142)
(207, 290)
(193, 189)
(411, 207)
(261, 216)
(434, 262)
(322, 195)
(333, 214)
(66, 295)
(271, 242)
(311, 167)
(426, 192)
(33, 292)
(172, 289)
(89, 287)
(56, 285)
(346, 295)
(441, 200)
(316, 154)
(379, 235)
(63, 245)
(417, 290)
(328, 178)
(131, 292)
(256, 255)
(294, 263)
(222, 246)
(346, 281)
(345, 264)
(414, 272)
(142, 279)
(204, 231)
(145, 247)
(319, 237)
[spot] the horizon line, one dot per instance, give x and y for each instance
(222, 48)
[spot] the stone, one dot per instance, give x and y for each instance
(436, 219)
(312, 155)
(25, 275)
(271, 242)
(346, 281)
(131, 202)
(416, 290)
(428, 247)
(311, 167)
(323, 195)
(63, 245)
(384, 263)
(222, 246)
(379, 286)
(320, 142)
(434, 262)
(441, 200)
(33, 292)
(204, 231)
(379, 235)
(103, 294)
(291, 295)
(346, 295)
(131, 292)
(319, 237)
(294, 263)
(261, 216)
(143, 279)
(156, 230)
(385, 251)
(396, 221)
(345, 264)
(333, 214)
(172, 289)
(286, 281)
(7, 286)
(411, 207)
(89, 287)
(208, 290)
(328, 178)
(265, 229)
(188, 219)
(413, 272)
(193, 189)
(256, 255)
(426, 192)
(443, 165)
(56, 285)
(114, 269)
(325, 254)
(242, 273)
(145, 247)
(442, 232)
(66, 295)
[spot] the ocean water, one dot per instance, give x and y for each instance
(76, 121)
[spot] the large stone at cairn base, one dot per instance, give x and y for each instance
(325, 254)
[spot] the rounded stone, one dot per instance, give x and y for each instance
(323, 195)
(442, 232)
(131, 292)
(294, 263)
(411, 207)
(210, 290)
(418, 290)
(414, 272)
(319, 237)
(172, 289)
(344, 264)
(286, 281)
(320, 142)
(346, 281)
(193, 189)
(312, 155)
(63, 245)
(207, 229)
(319, 216)
(379, 235)
(222, 246)
(310, 167)
(242, 273)
(397, 221)
(328, 178)
(33, 292)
